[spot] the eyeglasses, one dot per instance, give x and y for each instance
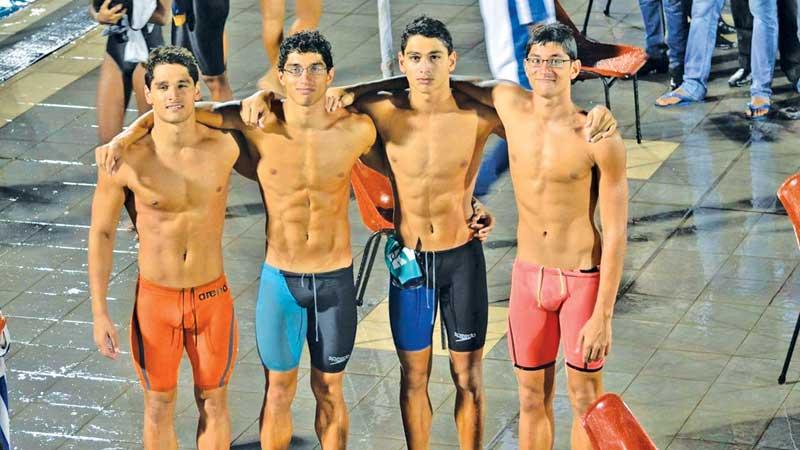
(315, 70)
(553, 63)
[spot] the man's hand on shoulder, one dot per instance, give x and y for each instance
(256, 107)
(109, 156)
(337, 97)
(600, 124)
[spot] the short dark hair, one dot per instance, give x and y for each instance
(170, 54)
(306, 42)
(429, 28)
(553, 33)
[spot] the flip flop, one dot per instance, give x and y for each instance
(758, 113)
(683, 99)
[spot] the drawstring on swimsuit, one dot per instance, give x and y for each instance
(561, 280)
(435, 290)
(194, 316)
(316, 312)
(194, 311)
(183, 309)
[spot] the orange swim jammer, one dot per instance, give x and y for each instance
(201, 319)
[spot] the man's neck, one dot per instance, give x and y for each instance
(313, 116)
(559, 109)
(435, 101)
(174, 135)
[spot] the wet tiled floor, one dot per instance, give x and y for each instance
(709, 298)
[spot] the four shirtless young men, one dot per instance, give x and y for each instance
(177, 162)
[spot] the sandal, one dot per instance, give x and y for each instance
(758, 112)
(678, 94)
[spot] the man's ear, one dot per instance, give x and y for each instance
(452, 59)
(197, 96)
(401, 62)
(575, 69)
(331, 75)
(282, 78)
(147, 95)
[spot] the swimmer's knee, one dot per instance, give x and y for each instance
(468, 380)
(211, 400)
(281, 389)
(327, 386)
(583, 389)
(415, 378)
(160, 406)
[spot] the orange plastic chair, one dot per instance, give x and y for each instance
(375, 200)
(610, 425)
(789, 195)
(608, 62)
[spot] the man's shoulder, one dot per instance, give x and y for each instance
(214, 136)
(465, 102)
(353, 122)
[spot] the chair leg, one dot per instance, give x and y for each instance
(367, 260)
(606, 87)
(586, 19)
(782, 377)
(636, 109)
(607, 11)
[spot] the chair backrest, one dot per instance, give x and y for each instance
(374, 197)
(789, 195)
(610, 60)
(610, 425)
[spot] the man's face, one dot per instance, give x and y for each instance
(305, 78)
(426, 64)
(172, 93)
(550, 71)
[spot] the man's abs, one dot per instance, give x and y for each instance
(321, 243)
(180, 250)
(568, 245)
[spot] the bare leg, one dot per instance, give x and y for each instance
(536, 425)
(272, 16)
(307, 14)
(276, 413)
(159, 424)
(219, 87)
(414, 401)
(331, 422)
(110, 101)
(138, 90)
(583, 388)
(466, 370)
(214, 426)
(112, 98)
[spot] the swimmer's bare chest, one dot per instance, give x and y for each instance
(555, 190)
(180, 201)
(430, 157)
(191, 179)
(305, 169)
(305, 178)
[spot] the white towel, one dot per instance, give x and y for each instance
(136, 49)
